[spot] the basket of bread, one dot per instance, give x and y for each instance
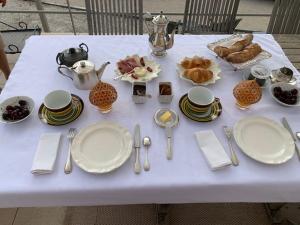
(198, 70)
(239, 50)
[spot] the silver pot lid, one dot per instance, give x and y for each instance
(160, 19)
(83, 66)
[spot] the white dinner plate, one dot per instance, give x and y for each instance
(264, 140)
(102, 147)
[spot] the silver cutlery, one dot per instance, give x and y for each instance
(68, 165)
(118, 77)
(137, 146)
(233, 157)
(169, 141)
(147, 143)
(287, 126)
(298, 135)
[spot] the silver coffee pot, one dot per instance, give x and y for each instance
(159, 39)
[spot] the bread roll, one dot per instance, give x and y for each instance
(198, 75)
(236, 47)
(248, 53)
(196, 62)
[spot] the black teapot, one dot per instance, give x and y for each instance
(72, 55)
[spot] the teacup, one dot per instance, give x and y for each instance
(58, 101)
(283, 74)
(200, 99)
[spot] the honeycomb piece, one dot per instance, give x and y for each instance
(247, 92)
(103, 94)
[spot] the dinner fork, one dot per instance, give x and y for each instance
(228, 132)
(68, 165)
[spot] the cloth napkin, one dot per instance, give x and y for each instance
(212, 149)
(46, 153)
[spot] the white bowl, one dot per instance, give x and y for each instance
(14, 101)
(285, 87)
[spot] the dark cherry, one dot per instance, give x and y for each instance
(26, 112)
(277, 90)
(294, 92)
(289, 95)
(22, 103)
(5, 116)
(9, 108)
(277, 95)
(285, 93)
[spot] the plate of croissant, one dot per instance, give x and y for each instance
(239, 50)
(198, 70)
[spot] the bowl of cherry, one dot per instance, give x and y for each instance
(285, 94)
(16, 109)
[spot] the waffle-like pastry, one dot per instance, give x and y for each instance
(247, 92)
(103, 94)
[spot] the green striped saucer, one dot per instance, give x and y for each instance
(214, 113)
(56, 119)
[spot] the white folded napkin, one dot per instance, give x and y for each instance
(212, 149)
(45, 154)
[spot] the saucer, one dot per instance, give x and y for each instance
(214, 113)
(58, 119)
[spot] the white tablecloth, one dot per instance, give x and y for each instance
(185, 179)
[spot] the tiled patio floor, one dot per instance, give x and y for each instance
(183, 214)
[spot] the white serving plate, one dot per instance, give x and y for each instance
(213, 68)
(285, 87)
(148, 76)
(226, 42)
(264, 140)
(102, 147)
(14, 101)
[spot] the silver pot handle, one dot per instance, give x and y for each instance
(65, 67)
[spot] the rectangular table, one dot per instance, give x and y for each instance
(185, 179)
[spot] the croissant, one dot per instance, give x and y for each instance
(236, 47)
(196, 62)
(198, 75)
(248, 53)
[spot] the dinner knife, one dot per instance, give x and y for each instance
(137, 146)
(169, 142)
(287, 126)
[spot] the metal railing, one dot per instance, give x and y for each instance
(42, 13)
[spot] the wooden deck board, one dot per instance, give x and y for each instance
(291, 51)
(290, 43)
(287, 37)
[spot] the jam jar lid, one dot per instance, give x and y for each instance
(260, 72)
